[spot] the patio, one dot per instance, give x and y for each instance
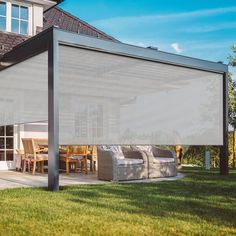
(14, 179)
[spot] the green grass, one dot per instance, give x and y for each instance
(202, 203)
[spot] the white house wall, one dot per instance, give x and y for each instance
(37, 18)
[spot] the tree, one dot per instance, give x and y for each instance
(232, 58)
(232, 101)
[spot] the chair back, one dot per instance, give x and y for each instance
(41, 142)
(29, 147)
(64, 149)
(79, 150)
(94, 153)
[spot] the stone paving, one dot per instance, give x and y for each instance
(13, 179)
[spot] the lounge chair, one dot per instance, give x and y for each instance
(116, 165)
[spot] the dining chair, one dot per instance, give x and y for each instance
(81, 153)
(92, 157)
(74, 155)
(41, 143)
(33, 155)
(65, 156)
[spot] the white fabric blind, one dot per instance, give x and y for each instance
(111, 99)
(23, 91)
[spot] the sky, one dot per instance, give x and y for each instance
(203, 29)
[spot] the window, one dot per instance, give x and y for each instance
(3, 16)
(89, 121)
(6, 143)
(14, 18)
(19, 19)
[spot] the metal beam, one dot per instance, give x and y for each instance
(53, 113)
(118, 48)
(36, 45)
(224, 159)
(29, 48)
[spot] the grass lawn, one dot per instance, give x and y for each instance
(202, 203)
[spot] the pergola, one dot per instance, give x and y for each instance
(93, 91)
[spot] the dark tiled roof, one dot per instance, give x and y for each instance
(53, 16)
(9, 40)
(64, 20)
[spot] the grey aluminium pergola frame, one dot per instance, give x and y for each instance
(49, 40)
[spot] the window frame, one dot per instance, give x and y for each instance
(4, 16)
(19, 19)
(5, 137)
(8, 26)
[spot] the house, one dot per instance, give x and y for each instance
(20, 20)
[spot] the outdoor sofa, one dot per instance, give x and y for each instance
(115, 164)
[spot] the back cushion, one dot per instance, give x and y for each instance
(157, 152)
(147, 149)
(116, 150)
(126, 149)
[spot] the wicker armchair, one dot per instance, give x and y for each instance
(112, 167)
(161, 163)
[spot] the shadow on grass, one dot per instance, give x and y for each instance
(201, 194)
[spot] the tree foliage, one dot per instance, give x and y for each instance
(232, 105)
(232, 91)
(232, 58)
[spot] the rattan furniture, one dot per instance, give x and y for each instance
(112, 166)
(161, 163)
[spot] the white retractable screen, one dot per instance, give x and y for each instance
(23, 91)
(113, 99)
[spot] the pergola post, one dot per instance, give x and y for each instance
(53, 113)
(224, 159)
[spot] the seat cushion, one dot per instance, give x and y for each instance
(129, 161)
(42, 156)
(63, 155)
(71, 157)
(159, 160)
(76, 157)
